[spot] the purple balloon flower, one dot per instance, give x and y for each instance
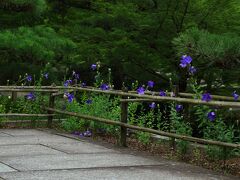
(69, 96)
(89, 101)
(83, 84)
(104, 87)
(185, 61)
(211, 116)
(67, 83)
(152, 105)
(77, 133)
(45, 75)
(29, 78)
(30, 96)
(140, 90)
(206, 97)
(162, 93)
(87, 133)
(93, 67)
(192, 70)
(235, 95)
(150, 84)
(179, 107)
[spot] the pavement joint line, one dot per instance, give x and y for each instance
(17, 144)
(40, 155)
(14, 156)
(95, 168)
(63, 135)
(1, 178)
(44, 145)
(8, 134)
(9, 166)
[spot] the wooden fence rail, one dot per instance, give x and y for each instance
(167, 134)
(59, 90)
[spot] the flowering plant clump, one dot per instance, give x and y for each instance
(82, 134)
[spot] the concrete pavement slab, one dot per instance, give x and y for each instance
(38, 155)
(131, 173)
(32, 139)
(22, 132)
(80, 147)
(48, 162)
(5, 168)
(4, 135)
(26, 150)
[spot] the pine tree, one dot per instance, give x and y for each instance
(26, 43)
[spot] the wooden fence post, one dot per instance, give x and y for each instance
(51, 105)
(124, 114)
(14, 95)
(173, 140)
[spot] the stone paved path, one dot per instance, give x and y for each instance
(39, 155)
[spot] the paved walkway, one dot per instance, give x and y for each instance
(34, 154)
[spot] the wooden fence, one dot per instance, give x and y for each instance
(126, 97)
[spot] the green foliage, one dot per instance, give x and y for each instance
(215, 56)
(19, 12)
(34, 46)
(102, 106)
(179, 126)
(215, 130)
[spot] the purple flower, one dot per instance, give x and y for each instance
(45, 75)
(30, 96)
(93, 67)
(83, 84)
(104, 87)
(29, 78)
(67, 82)
(211, 116)
(87, 133)
(192, 70)
(69, 96)
(150, 84)
(179, 107)
(140, 90)
(185, 61)
(89, 101)
(235, 95)
(76, 133)
(206, 97)
(162, 93)
(152, 105)
(75, 75)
